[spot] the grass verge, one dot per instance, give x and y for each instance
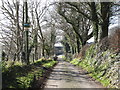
(24, 76)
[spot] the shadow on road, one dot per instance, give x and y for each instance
(66, 75)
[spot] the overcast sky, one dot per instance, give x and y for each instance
(114, 20)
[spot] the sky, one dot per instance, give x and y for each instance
(85, 0)
(58, 44)
(114, 21)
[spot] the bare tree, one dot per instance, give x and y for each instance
(80, 24)
(13, 33)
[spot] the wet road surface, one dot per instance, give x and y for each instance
(65, 75)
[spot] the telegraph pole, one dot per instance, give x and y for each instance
(17, 31)
(26, 28)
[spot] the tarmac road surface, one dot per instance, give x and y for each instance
(66, 75)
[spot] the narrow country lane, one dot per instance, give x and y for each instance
(65, 75)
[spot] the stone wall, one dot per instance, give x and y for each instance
(101, 65)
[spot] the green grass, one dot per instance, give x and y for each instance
(8, 64)
(91, 69)
(27, 81)
(75, 61)
(49, 64)
(94, 70)
(23, 76)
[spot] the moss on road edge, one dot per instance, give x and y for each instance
(25, 76)
(102, 66)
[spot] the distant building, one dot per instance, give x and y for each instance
(58, 49)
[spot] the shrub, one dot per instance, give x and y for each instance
(115, 41)
(112, 42)
(23, 76)
(103, 45)
(82, 52)
(75, 61)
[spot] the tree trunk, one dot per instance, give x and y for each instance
(36, 45)
(94, 21)
(105, 12)
(26, 35)
(36, 53)
(73, 50)
(17, 31)
(78, 45)
(23, 40)
(43, 49)
(27, 53)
